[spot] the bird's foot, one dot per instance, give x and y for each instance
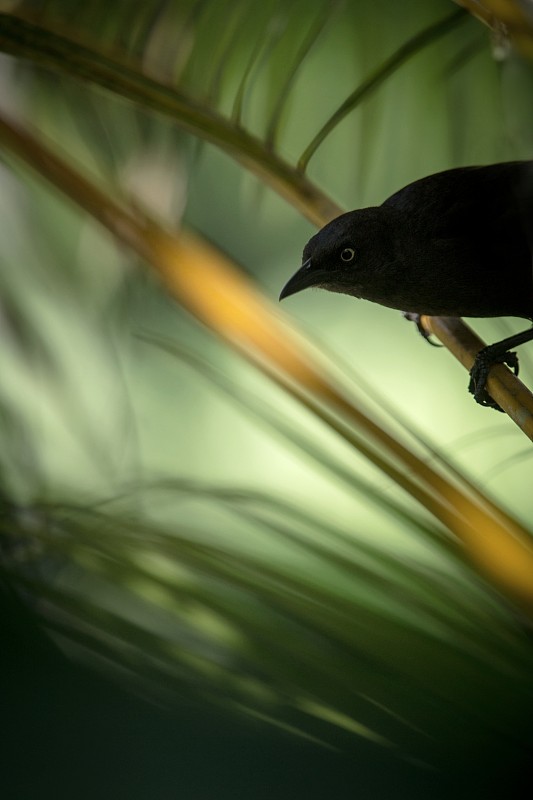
(480, 372)
(412, 317)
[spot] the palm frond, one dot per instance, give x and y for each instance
(371, 589)
(385, 70)
(56, 52)
(497, 542)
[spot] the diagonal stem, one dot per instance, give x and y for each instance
(403, 54)
(504, 387)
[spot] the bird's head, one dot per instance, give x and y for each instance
(350, 255)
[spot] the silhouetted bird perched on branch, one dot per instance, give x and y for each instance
(457, 244)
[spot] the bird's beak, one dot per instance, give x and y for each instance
(306, 276)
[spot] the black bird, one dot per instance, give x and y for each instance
(457, 244)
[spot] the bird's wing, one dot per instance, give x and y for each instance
(471, 201)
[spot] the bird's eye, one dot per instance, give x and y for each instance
(347, 254)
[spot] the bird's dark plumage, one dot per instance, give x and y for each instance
(458, 243)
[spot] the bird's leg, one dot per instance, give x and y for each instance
(412, 317)
(497, 353)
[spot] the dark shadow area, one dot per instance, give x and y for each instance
(70, 734)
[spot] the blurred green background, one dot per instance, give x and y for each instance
(160, 520)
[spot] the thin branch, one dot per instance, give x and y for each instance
(403, 54)
(504, 387)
